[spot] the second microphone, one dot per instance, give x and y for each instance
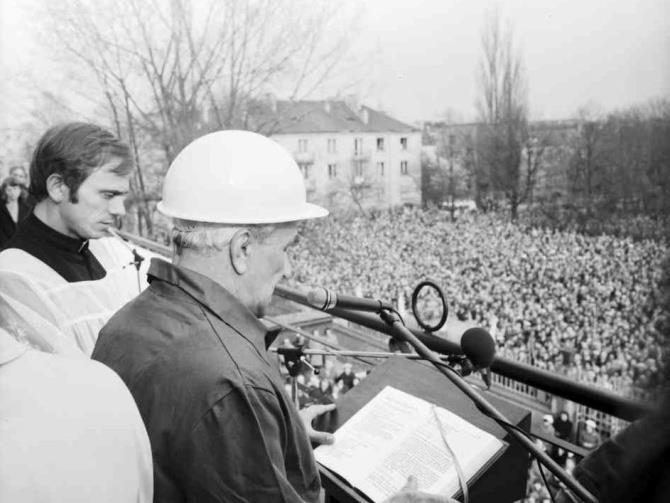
(325, 300)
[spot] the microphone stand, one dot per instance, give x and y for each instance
(399, 329)
(293, 355)
(294, 359)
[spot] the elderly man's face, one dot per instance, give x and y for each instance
(269, 264)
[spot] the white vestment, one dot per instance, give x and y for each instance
(69, 431)
(47, 312)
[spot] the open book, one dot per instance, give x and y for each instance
(396, 435)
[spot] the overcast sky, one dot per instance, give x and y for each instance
(610, 52)
(420, 56)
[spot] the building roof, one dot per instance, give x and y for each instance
(332, 117)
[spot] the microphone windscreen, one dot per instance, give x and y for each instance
(478, 345)
(317, 297)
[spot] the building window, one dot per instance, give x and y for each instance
(380, 144)
(304, 169)
(302, 145)
(358, 146)
(358, 167)
(403, 167)
(380, 168)
(332, 170)
(332, 146)
(403, 143)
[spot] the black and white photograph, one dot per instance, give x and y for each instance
(334, 251)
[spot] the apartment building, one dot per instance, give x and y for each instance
(350, 155)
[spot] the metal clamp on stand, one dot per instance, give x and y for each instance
(295, 361)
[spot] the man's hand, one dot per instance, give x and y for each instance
(308, 414)
(411, 494)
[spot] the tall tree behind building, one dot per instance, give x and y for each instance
(503, 112)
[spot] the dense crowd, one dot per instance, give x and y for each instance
(585, 306)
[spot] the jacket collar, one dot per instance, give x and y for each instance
(215, 298)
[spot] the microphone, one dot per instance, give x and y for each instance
(325, 300)
(478, 346)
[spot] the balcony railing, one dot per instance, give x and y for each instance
(304, 157)
(362, 155)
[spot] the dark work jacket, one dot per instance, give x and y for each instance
(632, 466)
(7, 225)
(221, 426)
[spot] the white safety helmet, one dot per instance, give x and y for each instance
(236, 177)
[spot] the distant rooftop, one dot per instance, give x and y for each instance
(332, 117)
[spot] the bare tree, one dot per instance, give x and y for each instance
(503, 113)
(587, 166)
(170, 71)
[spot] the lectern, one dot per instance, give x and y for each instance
(503, 481)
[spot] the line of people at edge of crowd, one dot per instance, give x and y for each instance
(179, 401)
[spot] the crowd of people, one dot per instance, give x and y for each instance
(585, 306)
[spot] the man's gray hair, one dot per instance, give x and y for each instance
(208, 238)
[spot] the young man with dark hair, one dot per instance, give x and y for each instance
(59, 269)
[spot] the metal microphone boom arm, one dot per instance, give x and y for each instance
(393, 321)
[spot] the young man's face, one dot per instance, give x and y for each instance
(269, 263)
(100, 200)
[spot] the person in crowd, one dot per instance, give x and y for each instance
(322, 393)
(346, 377)
(538, 492)
(13, 209)
(191, 347)
(588, 437)
(69, 431)
(563, 426)
(547, 432)
(59, 270)
(20, 176)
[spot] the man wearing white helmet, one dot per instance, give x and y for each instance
(191, 348)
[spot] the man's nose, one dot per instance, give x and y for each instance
(116, 206)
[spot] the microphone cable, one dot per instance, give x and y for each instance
(530, 436)
(137, 258)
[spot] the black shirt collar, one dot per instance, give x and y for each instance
(66, 255)
(53, 238)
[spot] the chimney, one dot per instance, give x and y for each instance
(351, 100)
(271, 101)
(365, 115)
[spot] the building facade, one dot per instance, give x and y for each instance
(351, 156)
(554, 140)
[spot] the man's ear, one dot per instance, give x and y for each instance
(56, 188)
(239, 250)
